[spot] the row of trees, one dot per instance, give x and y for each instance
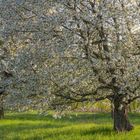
(57, 54)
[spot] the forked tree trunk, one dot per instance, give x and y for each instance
(120, 116)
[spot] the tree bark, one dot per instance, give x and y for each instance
(112, 110)
(120, 116)
(1, 113)
(1, 107)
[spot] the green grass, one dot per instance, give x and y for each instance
(30, 126)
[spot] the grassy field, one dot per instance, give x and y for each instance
(30, 126)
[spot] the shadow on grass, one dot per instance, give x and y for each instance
(98, 118)
(28, 117)
(135, 118)
(101, 131)
(68, 133)
(26, 128)
(20, 122)
(58, 126)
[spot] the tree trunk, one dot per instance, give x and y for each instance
(120, 116)
(1, 113)
(112, 110)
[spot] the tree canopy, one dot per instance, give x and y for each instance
(61, 53)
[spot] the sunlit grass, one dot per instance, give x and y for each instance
(30, 126)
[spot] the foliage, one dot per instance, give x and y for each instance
(57, 54)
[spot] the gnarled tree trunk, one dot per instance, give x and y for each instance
(120, 116)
